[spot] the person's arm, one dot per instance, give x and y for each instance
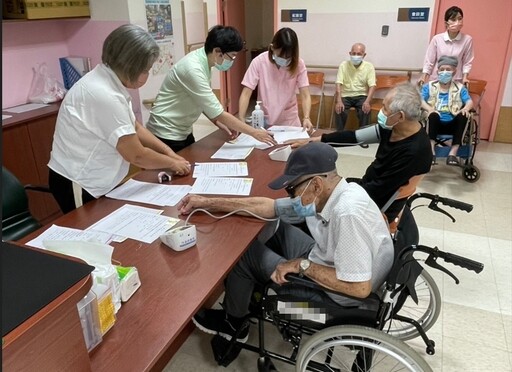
(305, 97)
(235, 124)
(467, 60)
(149, 140)
(323, 275)
(132, 150)
(430, 61)
(339, 106)
(243, 103)
(367, 103)
(468, 102)
(425, 95)
(261, 206)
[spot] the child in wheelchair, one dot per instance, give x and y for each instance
(448, 105)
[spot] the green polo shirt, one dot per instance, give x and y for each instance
(184, 95)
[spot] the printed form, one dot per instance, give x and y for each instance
(222, 186)
(220, 169)
(150, 193)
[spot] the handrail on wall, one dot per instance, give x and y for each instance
(409, 71)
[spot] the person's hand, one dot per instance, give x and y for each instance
(292, 266)
(307, 125)
(421, 82)
(296, 143)
(264, 136)
(339, 107)
(464, 112)
(181, 167)
(366, 107)
(231, 133)
(191, 202)
(465, 81)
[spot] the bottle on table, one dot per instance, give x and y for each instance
(258, 118)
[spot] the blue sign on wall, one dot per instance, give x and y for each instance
(413, 14)
(294, 15)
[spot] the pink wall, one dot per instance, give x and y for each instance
(24, 44)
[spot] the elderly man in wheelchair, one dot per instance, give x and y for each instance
(448, 106)
(342, 266)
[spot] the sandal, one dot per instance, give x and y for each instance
(452, 160)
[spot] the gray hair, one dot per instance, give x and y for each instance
(129, 51)
(406, 98)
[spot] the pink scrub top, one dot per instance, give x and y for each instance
(277, 89)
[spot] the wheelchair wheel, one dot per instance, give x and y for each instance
(471, 173)
(356, 348)
(425, 312)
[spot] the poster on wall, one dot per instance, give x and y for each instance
(165, 61)
(159, 19)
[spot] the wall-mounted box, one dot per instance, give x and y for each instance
(32, 9)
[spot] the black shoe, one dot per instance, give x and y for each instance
(217, 322)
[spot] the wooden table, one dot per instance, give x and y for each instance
(152, 325)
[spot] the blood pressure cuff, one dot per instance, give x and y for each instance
(340, 139)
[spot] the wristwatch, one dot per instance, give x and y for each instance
(303, 266)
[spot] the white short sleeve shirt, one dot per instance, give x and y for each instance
(95, 113)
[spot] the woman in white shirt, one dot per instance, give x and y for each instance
(97, 136)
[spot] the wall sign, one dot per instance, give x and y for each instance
(413, 14)
(293, 15)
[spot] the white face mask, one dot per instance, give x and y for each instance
(280, 61)
(356, 60)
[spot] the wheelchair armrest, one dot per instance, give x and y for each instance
(40, 188)
(306, 282)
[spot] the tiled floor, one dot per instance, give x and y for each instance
(474, 330)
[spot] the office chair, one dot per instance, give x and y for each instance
(17, 221)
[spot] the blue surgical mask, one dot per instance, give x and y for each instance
(356, 60)
(303, 210)
(445, 76)
(280, 61)
(382, 119)
(225, 65)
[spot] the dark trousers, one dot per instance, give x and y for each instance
(178, 145)
(357, 103)
(62, 190)
(454, 127)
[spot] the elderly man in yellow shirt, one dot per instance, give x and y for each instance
(355, 85)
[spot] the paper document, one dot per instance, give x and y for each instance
(281, 137)
(233, 151)
(285, 128)
(135, 224)
(6, 117)
(150, 193)
(220, 169)
(222, 186)
(24, 108)
(55, 232)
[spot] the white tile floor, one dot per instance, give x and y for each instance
(474, 330)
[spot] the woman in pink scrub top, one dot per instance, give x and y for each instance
(278, 73)
(452, 43)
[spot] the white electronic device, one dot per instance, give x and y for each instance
(281, 153)
(129, 284)
(180, 238)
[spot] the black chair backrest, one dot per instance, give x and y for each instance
(16, 218)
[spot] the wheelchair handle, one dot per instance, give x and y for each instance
(456, 204)
(464, 262)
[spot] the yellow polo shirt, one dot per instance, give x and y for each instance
(355, 80)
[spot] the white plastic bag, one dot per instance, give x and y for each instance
(45, 88)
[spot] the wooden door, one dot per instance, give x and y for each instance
(489, 25)
(233, 14)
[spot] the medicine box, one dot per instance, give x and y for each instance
(89, 317)
(33, 9)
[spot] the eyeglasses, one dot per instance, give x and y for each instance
(232, 58)
(292, 188)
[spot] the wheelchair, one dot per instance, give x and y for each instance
(364, 338)
(471, 136)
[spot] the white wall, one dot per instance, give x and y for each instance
(333, 26)
(507, 95)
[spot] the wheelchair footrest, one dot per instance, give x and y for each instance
(224, 351)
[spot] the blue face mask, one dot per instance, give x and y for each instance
(281, 62)
(303, 210)
(225, 65)
(382, 120)
(356, 60)
(445, 76)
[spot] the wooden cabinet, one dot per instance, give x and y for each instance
(26, 146)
